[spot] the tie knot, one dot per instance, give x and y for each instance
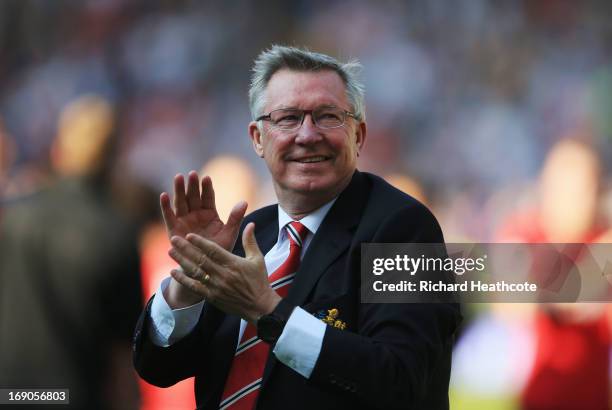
(297, 232)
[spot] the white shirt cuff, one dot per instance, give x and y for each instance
(167, 325)
(300, 343)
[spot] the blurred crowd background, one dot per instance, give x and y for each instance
(497, 115)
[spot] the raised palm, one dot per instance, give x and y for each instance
(195, 212)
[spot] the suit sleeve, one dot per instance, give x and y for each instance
(166, 366)
(400, 350)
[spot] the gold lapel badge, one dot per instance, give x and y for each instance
(330, 318)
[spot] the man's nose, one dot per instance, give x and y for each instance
(308, 133)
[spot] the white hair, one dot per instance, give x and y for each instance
(297, 59)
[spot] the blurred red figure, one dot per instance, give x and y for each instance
(155, 263)
(571, 366)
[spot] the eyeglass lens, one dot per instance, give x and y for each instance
(323, 117)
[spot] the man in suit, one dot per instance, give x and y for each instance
(275, 321)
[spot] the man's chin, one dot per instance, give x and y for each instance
(314, 186)
(325, 188)
(312, 189)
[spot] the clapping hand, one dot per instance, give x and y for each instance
(195, 212)
(234, 284)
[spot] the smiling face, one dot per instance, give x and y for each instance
(309, 166)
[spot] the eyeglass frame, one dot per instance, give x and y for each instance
(268, 117)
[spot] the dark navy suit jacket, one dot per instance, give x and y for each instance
(389, 356)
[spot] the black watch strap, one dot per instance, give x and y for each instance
(270, 326)
(284, 309)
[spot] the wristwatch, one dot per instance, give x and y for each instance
(270, 326)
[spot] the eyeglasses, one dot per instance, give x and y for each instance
(324, 117)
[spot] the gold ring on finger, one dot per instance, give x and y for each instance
(206, 277)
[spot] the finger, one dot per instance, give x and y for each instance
(193, 191)
(192, 284)
(208, 194)
(249, 242)
(192, 268)
(167, 212)
(215, 255)
(194, 257)
(236, 216)
(180, 201)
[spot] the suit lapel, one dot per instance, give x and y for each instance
(267, 236)
(266, 230)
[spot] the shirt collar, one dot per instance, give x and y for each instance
(311, 221)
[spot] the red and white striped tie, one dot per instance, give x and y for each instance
(244, 380)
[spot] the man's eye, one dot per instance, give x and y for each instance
(287, 119)
(329, 119)
(329, 116)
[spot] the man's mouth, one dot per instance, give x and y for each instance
(313, 159)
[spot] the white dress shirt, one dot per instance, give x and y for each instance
(298, 346)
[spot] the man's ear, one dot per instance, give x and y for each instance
(256, 138)
(360, 136)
